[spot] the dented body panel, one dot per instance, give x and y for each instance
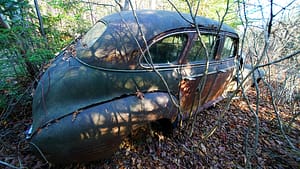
(87, 102)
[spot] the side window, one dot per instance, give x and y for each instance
(228, 49)
(198, 51)
(168, 49)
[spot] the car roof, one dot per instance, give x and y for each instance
(117, 46)
(158, 21)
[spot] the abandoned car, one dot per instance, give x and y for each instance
(129, 69)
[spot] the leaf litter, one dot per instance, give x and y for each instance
(231, 145)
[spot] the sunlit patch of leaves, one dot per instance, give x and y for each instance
(148, 148)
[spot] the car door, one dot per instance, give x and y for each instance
(205, 71)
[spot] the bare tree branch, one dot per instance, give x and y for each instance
(95, 3)
(173, 5)
(153, 67)
(278, 116)
(279, 60)
(284, 8)
(8, 165)
(271, 19)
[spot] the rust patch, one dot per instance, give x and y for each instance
(191, 97)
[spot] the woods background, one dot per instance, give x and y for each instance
(33, 32)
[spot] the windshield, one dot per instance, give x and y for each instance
(93, 34)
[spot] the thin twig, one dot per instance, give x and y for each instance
(40, 151)
(8, 165)
(172, 4)
(94, 3)
(279, 60)
(278, 116)
(206, 70)
(152, 65)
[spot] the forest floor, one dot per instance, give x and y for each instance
(230, 145)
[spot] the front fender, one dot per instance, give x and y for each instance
(95, 132)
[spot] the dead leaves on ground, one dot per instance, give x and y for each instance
(231, 145)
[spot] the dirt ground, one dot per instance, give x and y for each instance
(214, 138)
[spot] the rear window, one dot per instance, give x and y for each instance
(229, 48)
(93, 34)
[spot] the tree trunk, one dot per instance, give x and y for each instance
(38, 13)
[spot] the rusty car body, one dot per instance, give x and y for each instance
(128, 70)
